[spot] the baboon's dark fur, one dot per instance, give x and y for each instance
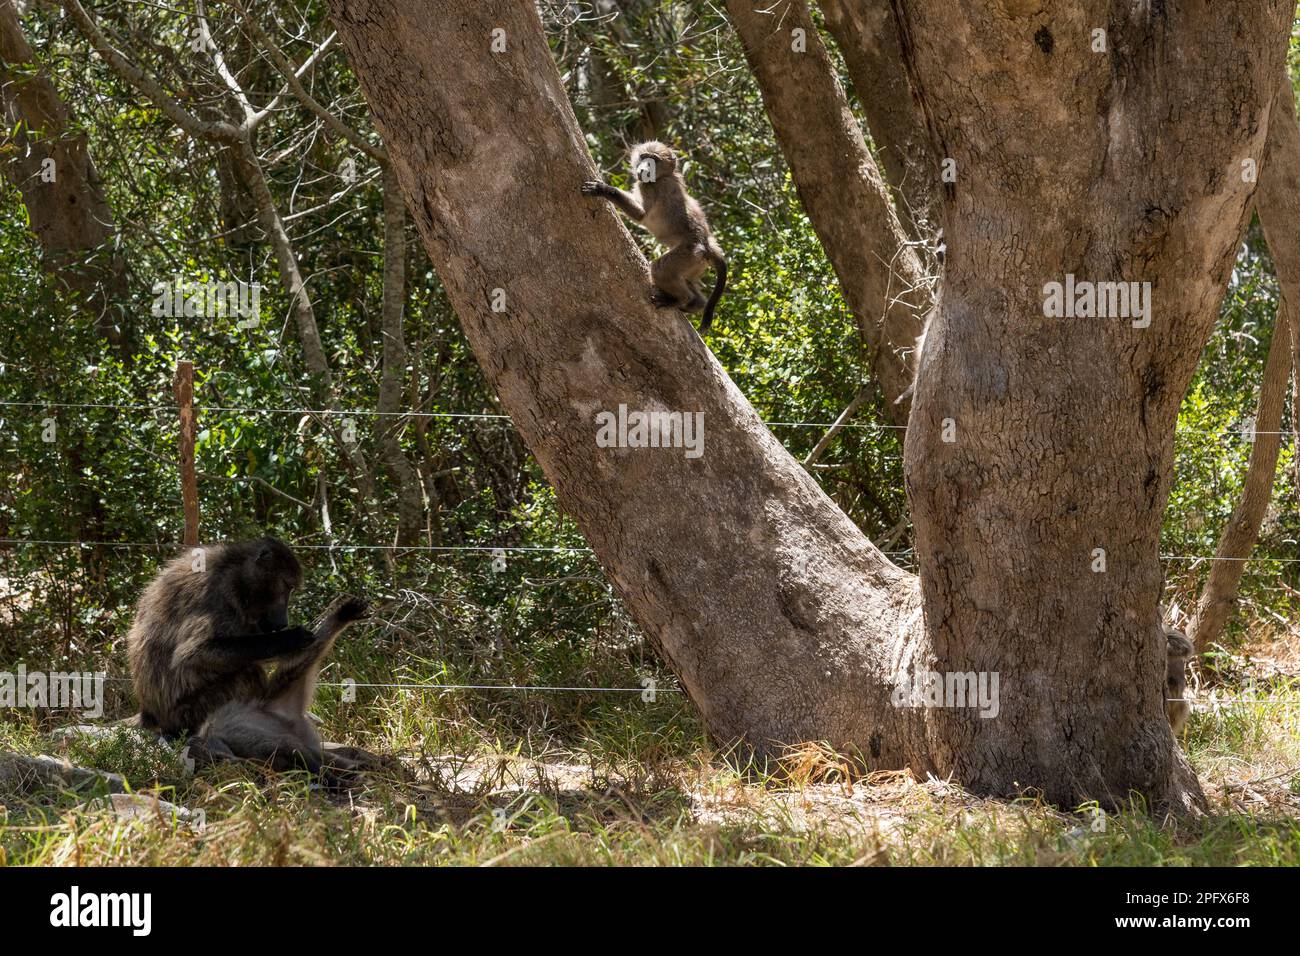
(1179, 651)
(200, 638)
(274, 727)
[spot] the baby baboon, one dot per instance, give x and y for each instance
(1179, 650)
(203, 633)
(661, 204)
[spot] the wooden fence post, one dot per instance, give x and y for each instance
(184, 386)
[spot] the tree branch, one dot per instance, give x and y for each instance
(286, 68)
(216, 130)
(1279, 212)
(1242, 530)
(840, 188)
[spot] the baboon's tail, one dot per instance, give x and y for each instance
(720, 265)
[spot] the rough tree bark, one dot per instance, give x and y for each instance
(1120, 166)
(839, 186)
(69, 214)
(867, 37)
(782, 621)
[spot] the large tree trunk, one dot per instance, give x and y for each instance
(782, 621)
(839, 186)
(1125, 167)
(51, 166)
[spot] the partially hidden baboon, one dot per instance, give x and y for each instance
(660, 203)
(205, 631)
(1178, 653)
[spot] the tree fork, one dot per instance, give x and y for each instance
(783, 623)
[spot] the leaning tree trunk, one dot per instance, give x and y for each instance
(1037, 524)
(1279, 213)
(1242, 530)
(49, 162)
(1278, 203)
(782, 621)
(867, 36)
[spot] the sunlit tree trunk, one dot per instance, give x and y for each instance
(1037, 524)
(783, 623)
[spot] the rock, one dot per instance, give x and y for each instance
(139, 806)
(30, 773)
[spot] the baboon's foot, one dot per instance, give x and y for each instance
(204, 752)
(343, 757)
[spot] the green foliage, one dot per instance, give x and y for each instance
(1212, 449)
(269, 463)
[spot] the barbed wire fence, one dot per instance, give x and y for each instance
(188, 413)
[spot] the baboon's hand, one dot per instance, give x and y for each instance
(297, 638)
(592, 188)
(352, 609)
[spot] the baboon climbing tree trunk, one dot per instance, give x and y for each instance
(782, 621)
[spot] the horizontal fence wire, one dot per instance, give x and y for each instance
(486, 416)
(493, 548)
(1205, 703)
(656, 689)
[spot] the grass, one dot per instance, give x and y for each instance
(633, 785)
(587, 778)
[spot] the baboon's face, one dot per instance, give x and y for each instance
(270, 576)
(650, 161)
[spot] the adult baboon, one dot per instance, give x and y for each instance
(204, 631)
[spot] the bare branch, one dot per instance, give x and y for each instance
(219, 60)
(286, 68)
(201, 129)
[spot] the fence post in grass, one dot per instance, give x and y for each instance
(184, 386)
